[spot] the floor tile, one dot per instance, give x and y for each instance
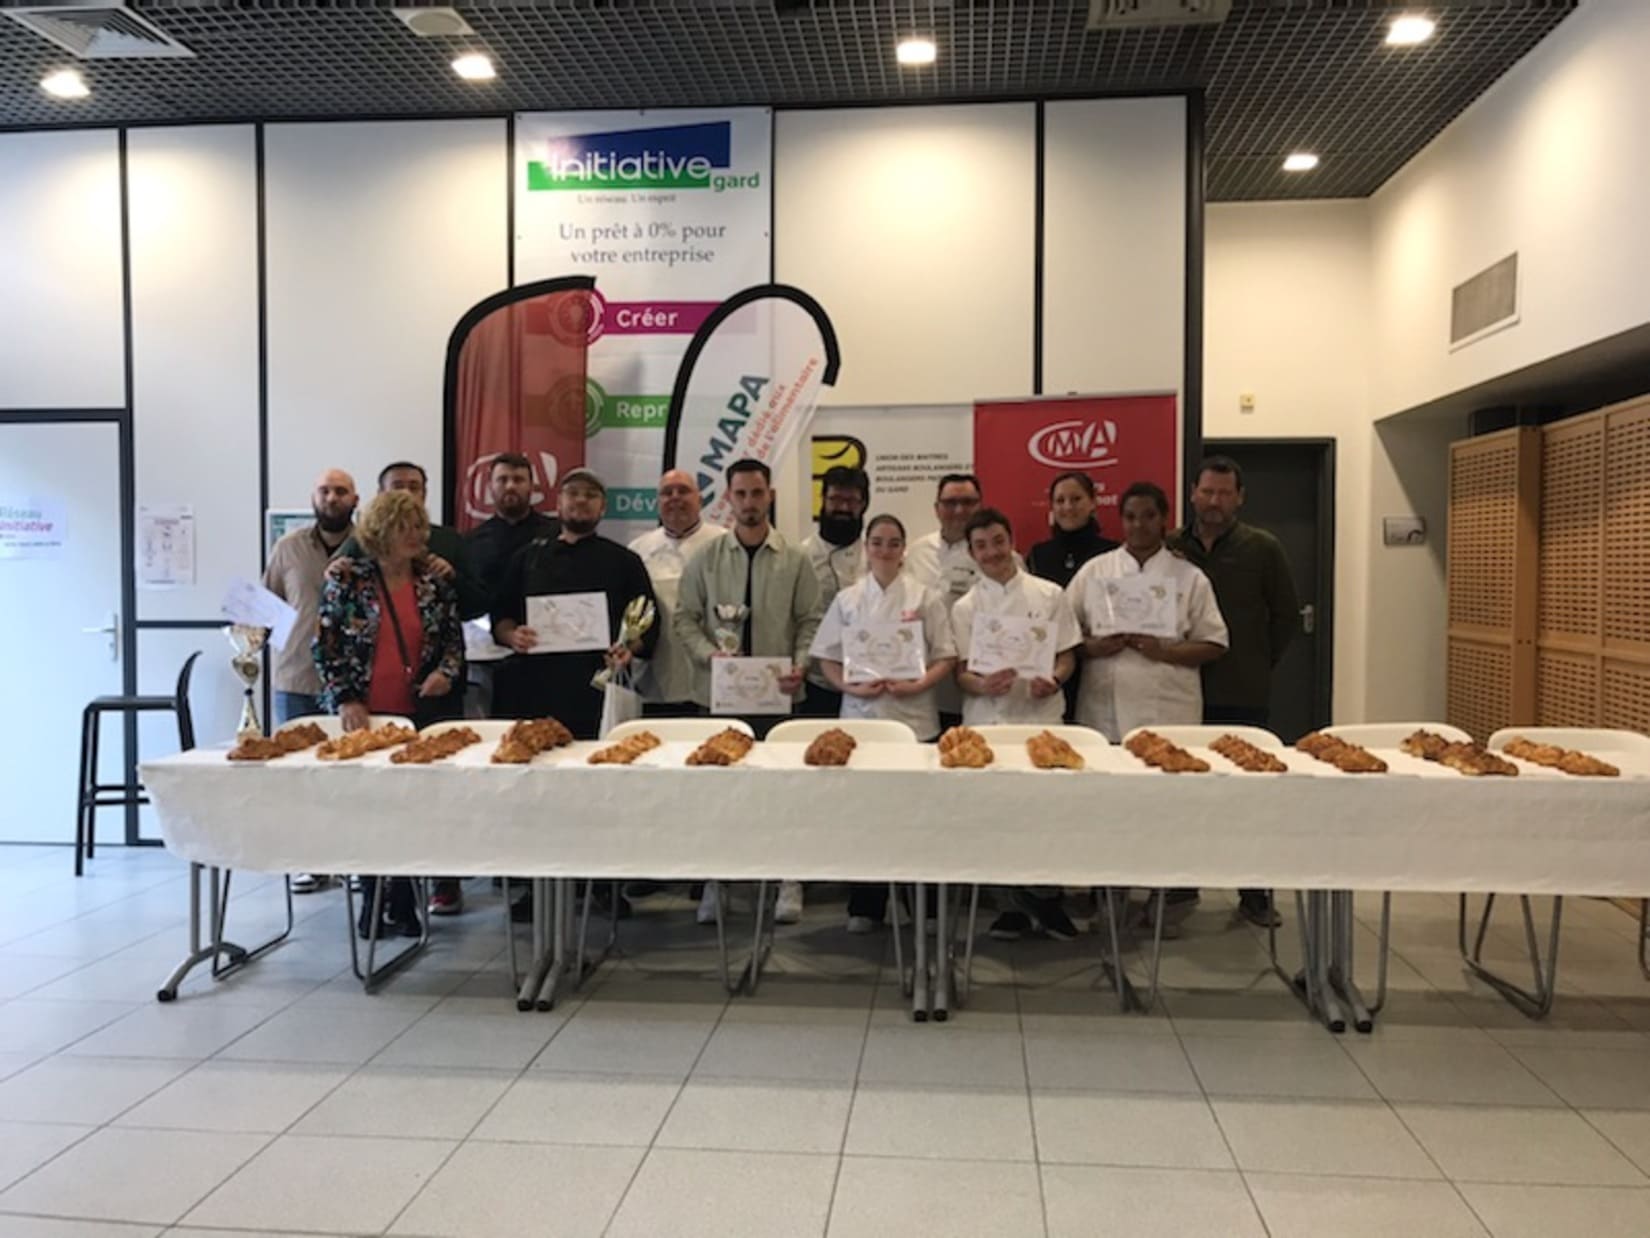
(1304, 1207)
(1309, 1070)
(782, 1051)
(1271, 1013)
(193, 1031)
(1449, 1074)
(1090, 1202)
(318, 1034)
(324, 1184)
(121, 1175)
(25, 1146)
(89, 1090)
(40, 1027)
(1356, 1138)
(237, 1096)
(478, 1193)
(1109, 1063)
(45, 1227)
(1551, 1211)
(1531, 1146)
(942, 1057)
(877, 1197)
(948, 1124)
(693, 1194)
(13, 1063)
(507, 1042)
(430, 1104)
(626, 1047)
(747, 1116)
(618, 1110)
(1096, 1128)
(1628, 1129)
(1592, 1078)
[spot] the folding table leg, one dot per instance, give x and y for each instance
(240, 956)
(970, 931)
(942, 953)
(376, 973)
(527, 994)
(762, 944)
(216, 949)
(1536, 1002)
(919, 953)
(561, 930)
(1111, 968)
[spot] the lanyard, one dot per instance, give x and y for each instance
(395, 623)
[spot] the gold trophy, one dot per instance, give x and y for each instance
(638, 618)
(248, 642)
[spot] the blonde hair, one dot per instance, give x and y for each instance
(389, 515)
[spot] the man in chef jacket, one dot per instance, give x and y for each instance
(667, 687)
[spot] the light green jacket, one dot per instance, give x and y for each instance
(785, 609)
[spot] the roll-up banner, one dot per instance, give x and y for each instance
(670, 212)
(748, 386)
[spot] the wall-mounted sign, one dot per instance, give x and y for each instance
(1404, 530)
(31, 529)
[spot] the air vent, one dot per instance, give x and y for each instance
(99, 31)
(434, 23)
(1138, 14)
(1485, 303)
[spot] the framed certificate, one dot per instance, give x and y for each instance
(1012, 642)
(1135, 606)
(887, 650)
(570, 622)
(748, 686)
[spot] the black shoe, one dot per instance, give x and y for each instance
(603, 905)
(641, 889)
(521, 911)
(1052, 919)
(1010, 926)
(1258, 910)
(409, 927)
(1182, 898)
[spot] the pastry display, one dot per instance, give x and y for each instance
(1566, 760)
(1161, 754)
(962, 747)
(291, 739)
(1247, 757)
(723, 748)
(526, 739)
(832, 747)
(1473, 760)
(1048, 751)
(626, 750)
(1348, 758)
(359, 743)
(427, 749)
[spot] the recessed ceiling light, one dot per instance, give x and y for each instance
(916, 51)
(1300, 161)
(1408, 29)
(474, 67)
(65, 84)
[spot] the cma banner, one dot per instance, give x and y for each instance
(748, 386)
(1021, 446)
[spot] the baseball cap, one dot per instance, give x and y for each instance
(585, 475)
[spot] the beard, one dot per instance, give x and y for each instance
(579, 528)
(840, 530)
(333, 524)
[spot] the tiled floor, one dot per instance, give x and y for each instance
(285, 1102)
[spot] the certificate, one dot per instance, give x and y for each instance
(1135, 606)
(748, 686)
(886, 650)
(1012, 642)
(570, 622)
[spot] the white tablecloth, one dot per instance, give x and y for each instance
(896, 815)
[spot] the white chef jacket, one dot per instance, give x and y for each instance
(869, 602)
(950, 570)
(669, 676)
(836, 567)
(1130, 690)
(1024, 595)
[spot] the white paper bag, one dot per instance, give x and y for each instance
(619, 704)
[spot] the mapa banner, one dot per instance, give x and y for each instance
(1021, 446)
(670, 211)
(516, 382)
(748, 386)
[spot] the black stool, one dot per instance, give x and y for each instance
(93, 794)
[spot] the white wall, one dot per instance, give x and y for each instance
(380, 235)
(1551, 162)
(62, 343)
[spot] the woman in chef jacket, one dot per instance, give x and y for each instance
(1149, 621)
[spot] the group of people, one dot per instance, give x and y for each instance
(385, 596)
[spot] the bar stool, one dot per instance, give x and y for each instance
(93, 794)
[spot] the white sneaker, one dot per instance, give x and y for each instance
(859, 926)
(707, 905)
(787, 909)
(310, 883)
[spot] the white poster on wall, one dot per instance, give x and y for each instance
(31, 529)
(905, 449)
(671, 211)
(165, 546)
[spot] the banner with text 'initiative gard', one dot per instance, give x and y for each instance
(671, 212)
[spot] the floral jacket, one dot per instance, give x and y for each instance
(348, 629)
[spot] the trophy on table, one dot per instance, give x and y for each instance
(248, 642)
(638, 618)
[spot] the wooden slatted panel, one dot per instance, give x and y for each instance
(1627, 527)
(1626, 704)
(1479, 695)
(1483, 524)
(1566, 688)
(1572, 492)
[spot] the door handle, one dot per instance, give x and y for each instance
(112, 631)
(1309, 618)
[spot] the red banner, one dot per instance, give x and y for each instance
(1021, 446)
(516, 382)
